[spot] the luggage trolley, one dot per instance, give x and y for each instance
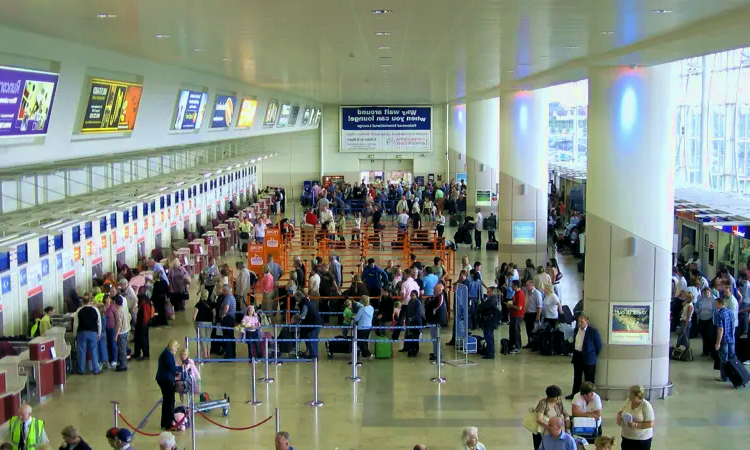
(205, 404)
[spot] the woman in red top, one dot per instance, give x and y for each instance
(142, 324)
(265, 286)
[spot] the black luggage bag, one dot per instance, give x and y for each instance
(567, 315)
(742, 348)
(217, 347)
(343, 347)
(285, 344)
(736, 372)
(491, 245)
(546, 346)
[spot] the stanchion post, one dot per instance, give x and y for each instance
(354, 376)
(315, 402)
(266, 378)
(191, 400)
(438, 361)
(278, 420)
(254, 401)
(116, 411)
(275, 344)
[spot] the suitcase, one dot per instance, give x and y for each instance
(492, 245)
(452, 222)
(567, 315)
(546, 347)
(561, 346)
(742, 349)
(504, 346)
(284, 345)
(383, 350)
(736, 372)
(343, 347)
(217, 347)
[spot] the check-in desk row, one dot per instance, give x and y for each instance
(34, 373)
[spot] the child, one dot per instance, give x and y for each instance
(187, 369)
(348, 316)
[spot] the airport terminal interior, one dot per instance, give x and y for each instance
(566, 182)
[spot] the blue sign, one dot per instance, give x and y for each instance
(22, 276)
(388, 128)
(45, 267)
(58, 261)
(223, 111)
(25, 101)
(462, 177)
(524, 233)
(191, 107)
(461, 309)
(5, 282)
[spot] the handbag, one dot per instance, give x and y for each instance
(244, 235)
(530, 423)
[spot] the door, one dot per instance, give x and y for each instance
(399, 170)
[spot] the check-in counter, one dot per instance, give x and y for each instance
(12, 384)
(213, 244)
(233, 225)
(63, 364)
(222, 232)
(198, 252)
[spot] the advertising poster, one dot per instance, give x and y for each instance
(272, 243)
(461, 177)
(272, 113)
(306, 116)
(385, 128)
(255, 258)
(223, 111)
(286, 111)
(247, 113)
(25, 101)
(630, 324)
(318, 114)
(293, 118)
(484, 198)
(112, 106)
(191, 107)
(461, 307)
(523, 232)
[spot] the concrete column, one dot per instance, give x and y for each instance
(482, 150)
(629, 222)
(523, 177)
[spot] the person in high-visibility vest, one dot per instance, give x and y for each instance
(23, 431)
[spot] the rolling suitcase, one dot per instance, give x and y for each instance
(736, 372)
(492, 245)
(504, 346)
(546, 347)
(383, 350)
(285, 344)
(567, 315)
(343, 347)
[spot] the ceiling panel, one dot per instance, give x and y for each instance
(440, 50)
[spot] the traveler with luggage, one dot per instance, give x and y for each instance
(490, 224)
(724, 319)
(588, 404)
(363, 319)
(489, 317)
(308, 315)
(586, 350)
(533, 313)
(478, 229)
(516, 308)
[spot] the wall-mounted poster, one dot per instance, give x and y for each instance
(248, 107)
(523, 232)
(25, 101)
(223, 111)
(293, 118)
(272, 113)
(286, 111)
(306, 116)
(385, 128)
(318, 115)
(112, 106)
(484, 198)
(191, 107)
(630, 323)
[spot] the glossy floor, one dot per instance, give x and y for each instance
(395, 405)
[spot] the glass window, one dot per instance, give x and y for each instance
(568, 123)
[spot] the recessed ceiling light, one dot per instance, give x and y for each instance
(383, 33)
(382, 11)
(227, 59)
(276, 78)
(384, 47)
(511, 71)
(386, 65)
(106, 16)
(198, 49)
(661, 11)
(606, 33)
(162, 36)
(570, 47)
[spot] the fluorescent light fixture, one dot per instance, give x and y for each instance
(383, 33)
(106, 16)
(226, 59)
(164, 188)
(265, 157)
(570, 47)
(198, 49)
(162, 36)
(180, 183)
(382, 11)
(661, 11)
(511, 71)
(207, 174)
(606, 33)
(384, 47)
(220, 170)
(386, 65)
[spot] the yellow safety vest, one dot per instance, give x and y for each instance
(34, 433)
(99, 298)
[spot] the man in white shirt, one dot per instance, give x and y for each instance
(478, 226)
(24, 431)
(132, 300)
(587, 403)
(326, 215)
(403, 220)
(408, 285)
(533, 312)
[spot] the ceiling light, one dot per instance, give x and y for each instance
(384, 47)
(383, 33)
(106, 16)
(226, 59)
(198, 49)
(276, 78)
(570, 47)
(162, 36)
(382, 11)
(606, 33)
(511, 71)
(385, 65)
(661, 11)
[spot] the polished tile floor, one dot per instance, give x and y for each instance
(395, 405)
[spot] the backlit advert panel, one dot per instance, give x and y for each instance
(25, 101)
(112, 106)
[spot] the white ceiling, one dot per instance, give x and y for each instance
(441, 50)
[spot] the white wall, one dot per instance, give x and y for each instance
(347, 164)
(160, 89)
(299, 159)
(457, 139)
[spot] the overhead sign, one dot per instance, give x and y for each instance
(386, 128)
(25, 101)
(112, 106)
(523, 232)
(272, 113)
(191, 107)
(248, 108)
(223, 111)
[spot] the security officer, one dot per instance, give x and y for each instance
(23, 431)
